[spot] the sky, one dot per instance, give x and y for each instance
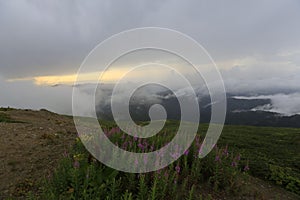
(255, 44)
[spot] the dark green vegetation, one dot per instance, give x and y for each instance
(238, 112)
(6, 109)
(5, 118)
(273, 153)
(268, 153)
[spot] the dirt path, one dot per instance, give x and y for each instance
(30, 150)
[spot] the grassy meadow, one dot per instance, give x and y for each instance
(270, 154)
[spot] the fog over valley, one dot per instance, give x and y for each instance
(256, 49)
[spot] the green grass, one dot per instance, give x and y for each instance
(271, 154)
(5, 118)
(79, 176)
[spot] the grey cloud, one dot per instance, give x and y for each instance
(53, 37)
(262, 79)
(50, 37)
(286, 104)
(231, 29)
(29, 96)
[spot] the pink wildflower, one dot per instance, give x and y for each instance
(145, 159)
(123, 136)
(65, 154)
(225, 152)
(124, 146)
(76, 164)
(233, 164)
(166, 174)
(186, 152)
(175, 155)
(152, 148)
(177, 168)
(246, 168)
(141, 146)
(238, 157)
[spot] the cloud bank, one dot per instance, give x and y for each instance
(256, 44)
(286, 104)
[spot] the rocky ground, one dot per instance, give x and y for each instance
(30, 148)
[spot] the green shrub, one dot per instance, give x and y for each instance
(285, 177)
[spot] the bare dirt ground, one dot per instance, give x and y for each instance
(30, 150)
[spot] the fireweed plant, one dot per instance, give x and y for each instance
(80, 176)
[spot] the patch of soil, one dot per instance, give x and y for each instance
(31, 148)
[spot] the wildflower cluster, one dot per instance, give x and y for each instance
(80, 176)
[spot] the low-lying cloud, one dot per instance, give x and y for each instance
(27, 95)
(286, 104)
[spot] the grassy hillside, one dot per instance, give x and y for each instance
(273, 153)
(242, 152)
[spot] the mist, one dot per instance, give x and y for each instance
(27, 95)
(285, 104)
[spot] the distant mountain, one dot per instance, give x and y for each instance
(239, 111)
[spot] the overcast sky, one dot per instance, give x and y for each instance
(255, 44)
